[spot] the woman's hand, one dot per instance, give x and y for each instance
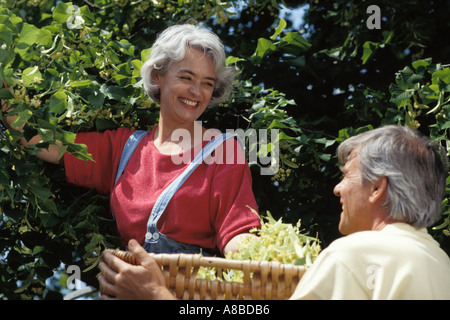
(51, 154)
(235, 243)
(123, 281)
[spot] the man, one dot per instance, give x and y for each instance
(391, 190)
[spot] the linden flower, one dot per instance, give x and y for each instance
(276, 241)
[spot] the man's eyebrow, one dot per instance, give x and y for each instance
(192, 73)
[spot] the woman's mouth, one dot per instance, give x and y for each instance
(190, 103)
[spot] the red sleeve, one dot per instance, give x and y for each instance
(231, 197)
(106, 149)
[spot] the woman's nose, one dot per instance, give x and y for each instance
(195, 89)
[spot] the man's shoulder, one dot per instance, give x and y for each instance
(396, 240)
(359, 242)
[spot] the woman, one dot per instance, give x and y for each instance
(210, 212)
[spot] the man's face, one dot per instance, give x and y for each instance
(354, 194)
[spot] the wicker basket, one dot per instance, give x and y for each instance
(263, 280)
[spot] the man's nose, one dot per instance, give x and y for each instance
(337, 189)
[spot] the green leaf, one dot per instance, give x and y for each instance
(22, 168)
(68, 137)
(96, 98)
(297, 44)
(31, 75)
(79, 151)
(369, 48)
(88, 16)
(324, 156)
(58, 102)
(4, 177)
(80, 83)
(6, 94)
(278, 125)
(48, 219)
(31, 35)
(51, 206)
(263, 48)
(125, 47)
(104, 124)
(289, 163)
(439, 103)
(442, 79)
(39, 191)
(407, 78)
(137, 65)
(22, 117)
(399, 95)
(145, 54)
(5, 35)
(421, 63)
(387, 36)
(232, 60)
(428, 94)
(46, 135)
(113, 92)
(279, 29)
(60, 13)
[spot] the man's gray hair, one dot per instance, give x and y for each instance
(171, 46)
(415, 167)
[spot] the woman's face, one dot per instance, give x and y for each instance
(186, 88)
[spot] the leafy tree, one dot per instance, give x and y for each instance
(74, 66)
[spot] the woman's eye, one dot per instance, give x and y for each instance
(184, 78)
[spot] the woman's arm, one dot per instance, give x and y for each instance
(235, 243)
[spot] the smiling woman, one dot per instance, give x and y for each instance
(209, 213)
(212, 210)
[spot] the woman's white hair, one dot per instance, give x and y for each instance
(415, 166)
(171, 46)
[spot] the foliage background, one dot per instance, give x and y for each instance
(318, 80)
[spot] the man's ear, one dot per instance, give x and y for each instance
(155, 76)
(379, 190)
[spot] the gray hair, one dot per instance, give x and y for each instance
(415, 166)
(171, 46)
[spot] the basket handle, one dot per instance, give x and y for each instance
(184, 260)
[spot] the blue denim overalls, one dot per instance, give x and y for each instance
(155, 241)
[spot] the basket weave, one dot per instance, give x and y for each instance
(263, 280)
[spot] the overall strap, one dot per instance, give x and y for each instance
(128, 150)
(167, 194)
